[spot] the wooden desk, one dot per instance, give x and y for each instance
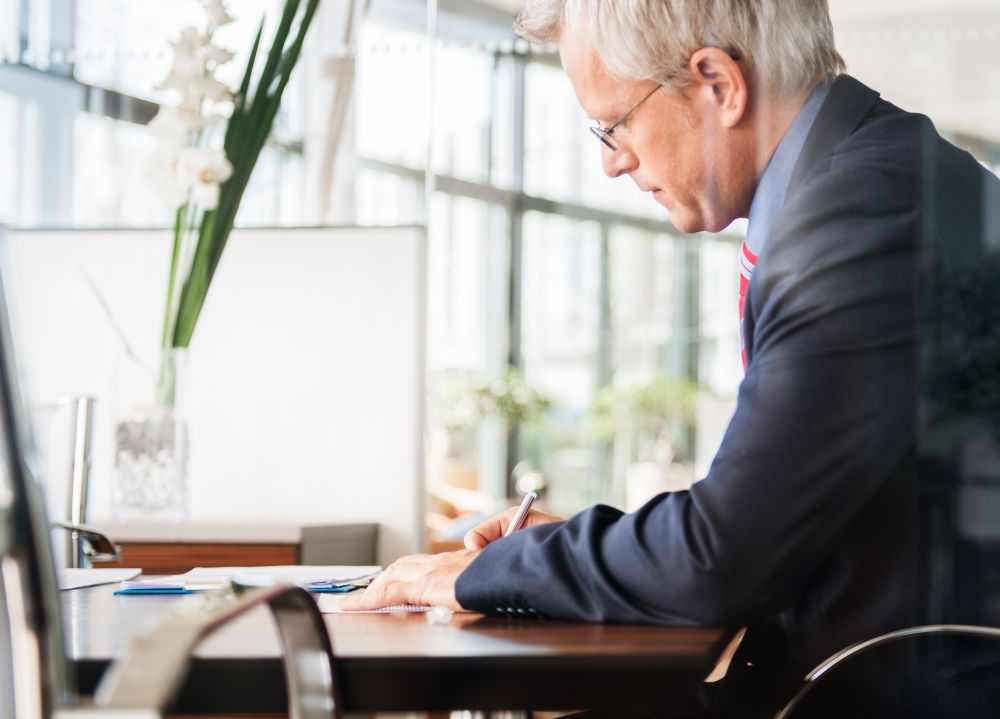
(402, 662)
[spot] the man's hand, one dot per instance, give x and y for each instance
(495, 527)
(418, 579)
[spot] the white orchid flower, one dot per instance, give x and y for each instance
(217, 13)
(190, 41)
(211, 88)
(172, 128)
(204, 169)
(205, 195)
(186, 65)
(218, 55)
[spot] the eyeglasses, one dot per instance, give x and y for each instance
(604, 133)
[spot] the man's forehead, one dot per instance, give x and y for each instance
(598, 93)
(586, 72)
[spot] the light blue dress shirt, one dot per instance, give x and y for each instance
(769, 197)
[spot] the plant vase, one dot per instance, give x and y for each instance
(151, 440)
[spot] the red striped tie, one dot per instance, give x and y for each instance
(748, 260)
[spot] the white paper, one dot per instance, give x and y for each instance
(213, 577)
(330, 604)
(79, 578)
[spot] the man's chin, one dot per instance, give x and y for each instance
(691, 222)
(686, 222)
(680, 217)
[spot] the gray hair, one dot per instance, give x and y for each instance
(788, 44)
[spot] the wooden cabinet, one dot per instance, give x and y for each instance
(176, 558)
(173, 548)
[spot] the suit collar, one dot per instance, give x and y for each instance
(845, 107)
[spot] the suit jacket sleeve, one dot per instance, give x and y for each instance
(824, 414)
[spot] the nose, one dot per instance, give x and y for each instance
(618, 162)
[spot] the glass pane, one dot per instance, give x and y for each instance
(504, 151)
(720, 367)
(648, 313)
(10, 129)
(561, 347)
(276, 194)
(385, 198)
(133, 54)
(467, 333)
(10, 36)
(648, 420)
(462, 112)
(467, 284)
(391, 95)
(111, 162)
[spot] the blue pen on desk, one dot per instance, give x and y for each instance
(522, 513)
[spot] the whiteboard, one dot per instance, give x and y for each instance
(306, 369)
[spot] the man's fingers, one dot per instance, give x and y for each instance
(490, 530)
(479, 537)
(495, 527)
(366, 599)
(419, 579)
(376, 594)
(375, 597)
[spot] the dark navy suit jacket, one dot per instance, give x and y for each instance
(862, 325)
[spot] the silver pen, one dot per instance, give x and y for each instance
(522, 513)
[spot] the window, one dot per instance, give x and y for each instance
(535, 256)
(16, 143)
(562, 350)
(111, 161)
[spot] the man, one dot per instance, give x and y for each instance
(863, 343)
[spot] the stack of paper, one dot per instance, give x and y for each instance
(72, 578)
(315, 579)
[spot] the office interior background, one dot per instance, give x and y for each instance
(433, 114)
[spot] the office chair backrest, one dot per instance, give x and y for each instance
(928, 672)
(33, 667)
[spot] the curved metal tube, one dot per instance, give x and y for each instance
(94, 544)
(844, 654)
(148, 677)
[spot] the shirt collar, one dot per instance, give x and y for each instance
(769, 197)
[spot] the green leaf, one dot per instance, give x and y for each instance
(246, 135)
(236, 121)
(180, 220)
(274, 54)
(248, 74)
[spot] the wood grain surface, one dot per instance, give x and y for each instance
(175, 558)
(403, 662)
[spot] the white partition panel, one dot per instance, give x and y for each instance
(305, 372)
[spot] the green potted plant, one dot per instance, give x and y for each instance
(461, 399)
(644, 421)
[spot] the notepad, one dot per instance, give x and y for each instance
(331, 605)
(332, 579)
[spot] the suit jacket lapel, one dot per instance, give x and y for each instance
(847, 104)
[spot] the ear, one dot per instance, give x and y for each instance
(718, 80)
